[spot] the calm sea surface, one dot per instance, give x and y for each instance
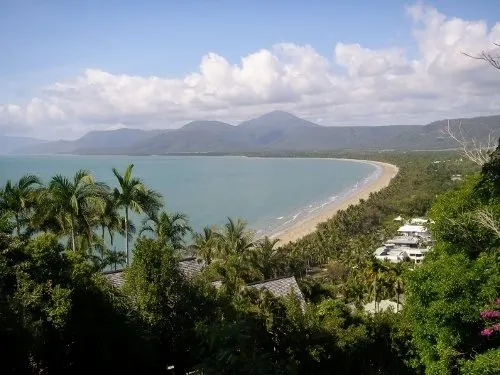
(270, 193)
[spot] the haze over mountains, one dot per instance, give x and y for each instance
(274, 131)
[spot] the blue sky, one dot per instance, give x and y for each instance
(44, 42)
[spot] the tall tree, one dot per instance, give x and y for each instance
(17, 199)
(207, 244)
(397, 281)
(134, 196)
(75, 202)
(236, 238)
(168, 228)
(110, 219)
(266, 257)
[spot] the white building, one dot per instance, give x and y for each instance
(406, 241)
(395, 253)
(390, 252)
(413, 230)
(416, 255)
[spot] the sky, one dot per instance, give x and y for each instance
(69, 67)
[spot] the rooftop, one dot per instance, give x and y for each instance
(408, 228)
(280, 287)
(403, 240)
(190, 267)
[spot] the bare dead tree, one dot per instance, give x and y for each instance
(488, 56)
(472, 149)
(487, 219)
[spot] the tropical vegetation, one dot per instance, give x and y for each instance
(59, 313)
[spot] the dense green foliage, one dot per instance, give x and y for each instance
(59, 314)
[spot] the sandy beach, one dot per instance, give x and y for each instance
(305, 227)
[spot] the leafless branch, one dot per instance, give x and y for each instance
(472, 149)
(486, 218)
(489, 57)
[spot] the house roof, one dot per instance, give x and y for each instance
(190, 267)
(412, 228)
(280, 287)
(115, 278)
(406, 240)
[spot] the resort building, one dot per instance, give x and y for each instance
(391, 253)
(190, 267)
(416, 255)
(413, 230)
(281, 287)
(406, 241)
(411, 244)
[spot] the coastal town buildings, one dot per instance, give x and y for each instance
(412, 243)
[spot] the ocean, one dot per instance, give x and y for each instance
(271, 194)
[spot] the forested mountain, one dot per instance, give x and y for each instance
(274, 131)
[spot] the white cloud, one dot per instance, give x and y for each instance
(379, 86)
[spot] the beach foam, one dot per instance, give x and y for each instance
(305, 219)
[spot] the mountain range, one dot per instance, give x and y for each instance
(274, 131)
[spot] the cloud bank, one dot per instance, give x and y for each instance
(358, 86)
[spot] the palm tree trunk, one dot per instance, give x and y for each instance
(102, 245)
(18, 225)
(397, 301)
(126, 235)
(73, 245)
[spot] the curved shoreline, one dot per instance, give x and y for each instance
(308, 226)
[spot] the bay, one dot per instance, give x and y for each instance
(270, 193)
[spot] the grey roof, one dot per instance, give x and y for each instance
(189, 267)
(404, 240)
(280, 287)
(115, 278)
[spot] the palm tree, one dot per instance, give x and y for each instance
(75, 202)
(18, 198)
(206, 244)
(110, 219)
(377, 279)
(168, 228)
(236, 238)
(133, 195)
(114, 258)
(398, 284)
(265, 257)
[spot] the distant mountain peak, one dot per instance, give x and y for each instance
(206, 125)
(277, 118)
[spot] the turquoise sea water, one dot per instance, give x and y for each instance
(270, 193)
